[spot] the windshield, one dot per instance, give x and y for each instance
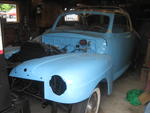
(84, 21)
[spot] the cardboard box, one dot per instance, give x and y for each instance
(144, 97)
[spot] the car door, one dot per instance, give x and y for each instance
(120, 44)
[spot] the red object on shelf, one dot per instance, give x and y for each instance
(1, 52)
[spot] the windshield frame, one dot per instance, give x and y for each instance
(110, 16)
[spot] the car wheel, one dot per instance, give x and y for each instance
(91, 105)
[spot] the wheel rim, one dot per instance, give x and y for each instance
(93, 102)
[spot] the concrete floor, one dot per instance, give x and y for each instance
(115, 103)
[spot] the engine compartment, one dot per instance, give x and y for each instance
(50, 45)
(31, 50)
(70, 42)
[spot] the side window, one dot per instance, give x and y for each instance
(121, 24)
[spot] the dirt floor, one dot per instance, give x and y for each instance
(115, 103)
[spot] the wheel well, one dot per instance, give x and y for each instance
(103, 85)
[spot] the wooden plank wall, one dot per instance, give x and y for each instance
(30, 21)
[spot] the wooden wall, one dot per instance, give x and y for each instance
(30, 21)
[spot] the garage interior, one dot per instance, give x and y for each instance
(24, 20)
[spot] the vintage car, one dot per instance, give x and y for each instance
(89, 46)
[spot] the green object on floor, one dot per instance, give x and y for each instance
(132, 96)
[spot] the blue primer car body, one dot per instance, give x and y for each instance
(108, 55)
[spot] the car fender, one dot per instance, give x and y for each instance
(80, 72)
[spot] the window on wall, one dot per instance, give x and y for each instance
(9, 11)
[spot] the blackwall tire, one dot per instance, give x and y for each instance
(91, 105)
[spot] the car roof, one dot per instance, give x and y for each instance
(105, 9)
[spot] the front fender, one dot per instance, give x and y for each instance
(81, 73)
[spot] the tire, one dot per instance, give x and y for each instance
(91, 105)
